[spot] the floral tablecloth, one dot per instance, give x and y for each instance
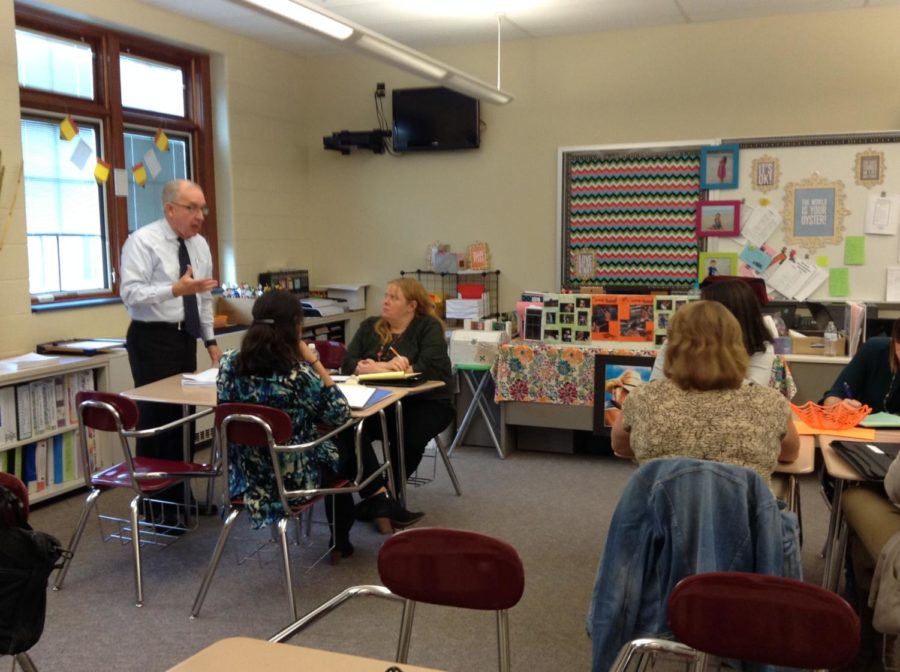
(564, 374)
(550, 374)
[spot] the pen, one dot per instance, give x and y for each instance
(847, 392)
(396, 354)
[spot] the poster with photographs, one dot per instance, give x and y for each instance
(566, 318)
(621, 317)
(664, 308)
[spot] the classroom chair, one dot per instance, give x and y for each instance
(331, 353)
(441, 566)
(768, 620)
(148, 477)
(267, 429)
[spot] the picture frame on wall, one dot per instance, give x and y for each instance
(718, 218)
(869, 169)
(765, 173)
(814, 212)
(719, 166)
(716, 263)
(615, 376)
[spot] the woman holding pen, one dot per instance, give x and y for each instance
(408, 336)
(872, 377)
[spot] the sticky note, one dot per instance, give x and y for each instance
(68, 129)
(101, 171)
(140, 174)
(839, 282)
(854, 250)
(161, 140)
(822, 261)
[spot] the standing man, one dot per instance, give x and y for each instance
(166, 283)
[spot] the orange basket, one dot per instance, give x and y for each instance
(836, 416)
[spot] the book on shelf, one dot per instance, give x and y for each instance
(23, 411)
(8, 424)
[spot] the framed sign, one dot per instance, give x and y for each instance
(478, 256)
(615, 376)
(765, 173)
(869, 169)
(814, 212)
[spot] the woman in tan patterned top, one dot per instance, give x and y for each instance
(703, 409)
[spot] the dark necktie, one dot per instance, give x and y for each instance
(191, 311)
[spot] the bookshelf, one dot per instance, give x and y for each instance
(39, 440)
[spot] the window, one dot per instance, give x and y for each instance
(120, 90)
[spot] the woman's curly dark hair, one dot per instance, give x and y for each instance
(271, 344)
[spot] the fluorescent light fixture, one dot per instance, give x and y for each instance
(477, 89)
(401, 56)
(307, 17)
(310, 16)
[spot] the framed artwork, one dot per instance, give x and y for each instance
(869, 169)
(765, 173)
(814, 212)
(719, 167)
(718, 218)
(478, 256)
(716, 263)
(615, 376)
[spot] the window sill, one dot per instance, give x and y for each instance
(76, 303)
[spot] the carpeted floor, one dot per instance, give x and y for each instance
(553, 508)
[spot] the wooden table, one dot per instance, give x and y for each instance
(238, 654)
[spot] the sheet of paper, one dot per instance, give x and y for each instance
(205, 378)
(852, 433)
(854, 250)
(760, 225)
(81, 154)
(791, 276)
(839, 282)
(892, 285)
(813, 281)
(882, 215)
(120, 182)
(357, 395)
(152, 163)
(756, 258)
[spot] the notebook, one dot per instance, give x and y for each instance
(361, 396)
(399, 378)
(880, 420)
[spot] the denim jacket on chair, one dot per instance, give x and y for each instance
(679, 517)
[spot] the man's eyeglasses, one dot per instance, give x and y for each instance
(192, 208)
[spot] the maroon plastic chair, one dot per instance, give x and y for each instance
(269, 430)
(452, 568)
(146, 476)
(754, 618)
(331, 353)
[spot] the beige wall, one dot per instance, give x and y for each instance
(283, 201)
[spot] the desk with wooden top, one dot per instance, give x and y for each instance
(843, 474)
(238, 654)
(171, 391)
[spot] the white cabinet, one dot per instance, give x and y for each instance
(39, 439)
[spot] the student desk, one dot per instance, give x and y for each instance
(171, 391)
(238, 654)
(843, 474)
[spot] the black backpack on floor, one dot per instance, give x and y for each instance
(26, 559)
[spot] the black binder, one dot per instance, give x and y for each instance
(869, 458)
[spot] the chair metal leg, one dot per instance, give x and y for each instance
(285, 556)
(24, 661)
(76, 537)
(400, 493)
(214, 561)
(406, 621)
(136, 551)
(639, 655)
(442, 449)
(503, 639)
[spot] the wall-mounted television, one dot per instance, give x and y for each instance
(434, 118)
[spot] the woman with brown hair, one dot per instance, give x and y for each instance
(702, 409)
(408, 336)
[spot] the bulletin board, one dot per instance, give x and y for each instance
(814, 191)
(821, 187)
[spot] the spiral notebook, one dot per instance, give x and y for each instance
(880, 420)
